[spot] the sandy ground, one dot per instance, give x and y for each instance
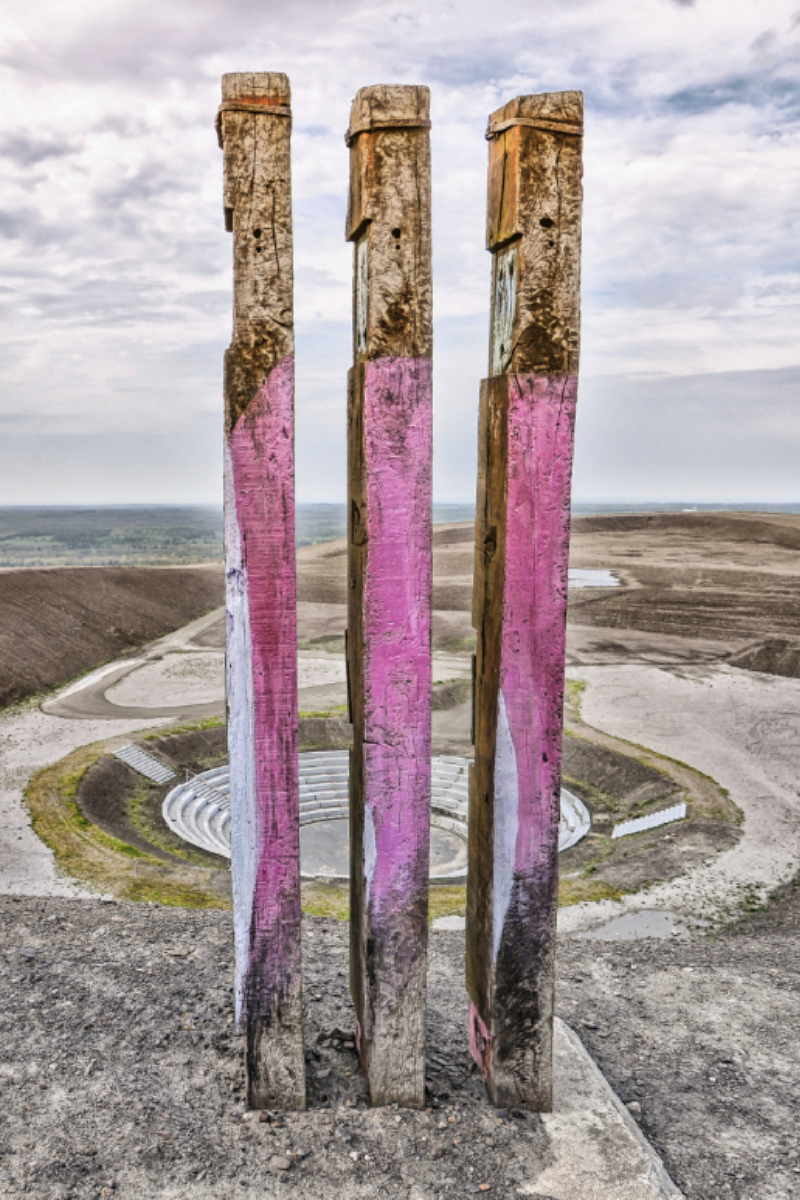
(649, 679)
(176, 679)
(30, 740)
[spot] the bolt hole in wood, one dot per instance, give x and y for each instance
(547, 222)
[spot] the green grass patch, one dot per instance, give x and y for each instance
(326, 900)
(175, 895)
(573, 694)
(591, 795)
(576, 891)
(447, 900)
(207, 723)
(337, 711)
(332, 900)
(98, 860)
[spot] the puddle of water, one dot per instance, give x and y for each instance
(649, 923)
(458, 923)
(580, 578)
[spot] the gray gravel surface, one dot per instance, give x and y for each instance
(120, 1074)
(702, 1036)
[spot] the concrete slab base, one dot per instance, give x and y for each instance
(599, 1152)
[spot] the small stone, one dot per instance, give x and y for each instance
(27, 952)
(484, 1187)
(279, 1163)
(264, 1117)
(634, 1108)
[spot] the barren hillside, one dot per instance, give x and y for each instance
(56, 624)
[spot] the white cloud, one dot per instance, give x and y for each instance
(115, 301)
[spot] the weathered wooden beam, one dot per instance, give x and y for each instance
(527, 417)
(254, 125)
(389, 564)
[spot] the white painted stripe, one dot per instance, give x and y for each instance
(575, 823)
(241, 733)
(506, 823)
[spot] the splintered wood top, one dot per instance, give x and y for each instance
(269, 86)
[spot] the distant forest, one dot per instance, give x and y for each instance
(149, 535)
(162, 535)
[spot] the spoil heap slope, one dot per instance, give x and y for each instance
(59, 623)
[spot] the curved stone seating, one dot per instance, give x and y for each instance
(198, 811)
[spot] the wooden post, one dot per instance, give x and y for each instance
(390, 572)
(254, 125)
(527, 417)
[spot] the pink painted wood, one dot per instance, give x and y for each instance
(522, 549)
(390, 575)
(261, 593)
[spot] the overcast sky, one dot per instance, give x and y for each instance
(115, 286)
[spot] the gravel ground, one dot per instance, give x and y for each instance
(701, 1034)
(120, 1075)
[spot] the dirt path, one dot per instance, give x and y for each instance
(740, 728)
(87, 699)
(30, 740)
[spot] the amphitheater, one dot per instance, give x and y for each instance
(198, 811)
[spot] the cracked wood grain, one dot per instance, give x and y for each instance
(261, 660)
(390, 572)
(526, 433)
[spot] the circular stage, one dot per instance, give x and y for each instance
(199, 812)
